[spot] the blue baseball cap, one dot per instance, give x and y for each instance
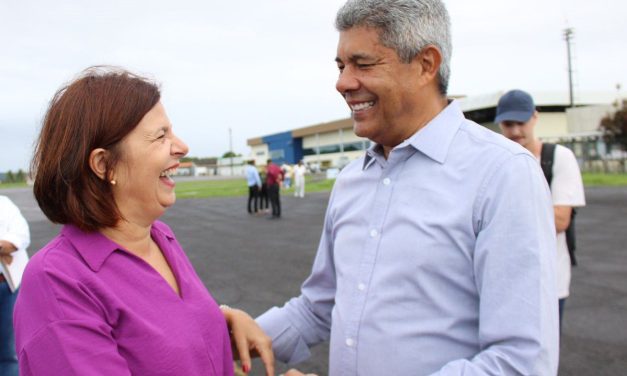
(515, 105)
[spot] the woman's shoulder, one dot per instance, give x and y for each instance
(56, 256)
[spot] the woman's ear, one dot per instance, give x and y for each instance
(98, 162)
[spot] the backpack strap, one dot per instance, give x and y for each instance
(547, 155)
(546, 161)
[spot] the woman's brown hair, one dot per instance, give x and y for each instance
(96, 110)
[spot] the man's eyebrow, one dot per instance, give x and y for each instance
(356, 57)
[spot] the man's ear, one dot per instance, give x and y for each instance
(430, 59)
(98, 162)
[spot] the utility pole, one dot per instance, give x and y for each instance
(568, 35)
(231, 148)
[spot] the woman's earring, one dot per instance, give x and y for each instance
(113, 182)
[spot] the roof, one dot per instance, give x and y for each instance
(549, 100)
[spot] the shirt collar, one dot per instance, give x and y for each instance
(95, 248)
(433, 140)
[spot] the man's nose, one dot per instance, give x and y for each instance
(346, 81)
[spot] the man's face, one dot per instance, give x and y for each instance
(381, 91)
(520, 132)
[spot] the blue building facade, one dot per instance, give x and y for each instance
(283, 148)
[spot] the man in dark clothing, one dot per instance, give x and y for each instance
(274, 176)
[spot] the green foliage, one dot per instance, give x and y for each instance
(605, 180)
(614, 127)
(230, 154)
(19, 177)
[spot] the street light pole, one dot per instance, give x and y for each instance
(231, 148)
(568, 35)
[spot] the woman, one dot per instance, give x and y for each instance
(114, 293)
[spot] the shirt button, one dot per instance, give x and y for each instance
(374, 233)
(386, 181)
(350, 342)
(361, 287)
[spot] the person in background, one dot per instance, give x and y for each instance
(114, 292)
(437, 253)
(299, 179)
(286, 169)
(14, 239)
(517, 117)
(264, 200)
(254, 186)
(274, 176)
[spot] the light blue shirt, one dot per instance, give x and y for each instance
(438, 260)
(252, 176)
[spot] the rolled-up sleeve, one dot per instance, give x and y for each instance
(61, 328)
(72, 347)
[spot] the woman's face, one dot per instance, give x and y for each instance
(149, 155)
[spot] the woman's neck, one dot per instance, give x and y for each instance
(133, 237)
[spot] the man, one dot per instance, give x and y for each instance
(273, 180)
(254, 185)
(299, 179)
(517, 117)
(14, 239)
(436, 255)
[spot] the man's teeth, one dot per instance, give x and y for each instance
(168, 172)
(362, 106)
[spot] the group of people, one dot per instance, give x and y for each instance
(439, 250)
(266, 186)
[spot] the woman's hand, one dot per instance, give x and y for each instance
(247, 338)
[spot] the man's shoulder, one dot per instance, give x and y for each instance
(477, 138)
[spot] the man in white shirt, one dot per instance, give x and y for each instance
(14, 239)
(299, 180)
(517, 117)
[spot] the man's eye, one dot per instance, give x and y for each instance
(340, 68)
(363, 65)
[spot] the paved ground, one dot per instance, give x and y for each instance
(254, 263)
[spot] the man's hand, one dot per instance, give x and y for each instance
(295, 372)
(6, 248)
(6, 259)
(247, 338)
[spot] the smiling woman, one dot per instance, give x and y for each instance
(114, 293)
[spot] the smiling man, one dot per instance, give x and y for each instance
(437, 254)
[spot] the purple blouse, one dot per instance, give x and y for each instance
(88, 307)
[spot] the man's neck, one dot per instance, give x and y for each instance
(535, 147)
(428, 112)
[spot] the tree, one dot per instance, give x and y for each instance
(10, 177)
(614, 126)
(20, 177)
(230, 154)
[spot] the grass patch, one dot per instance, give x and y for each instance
(12, 185)
(237, 187)
(604, 180)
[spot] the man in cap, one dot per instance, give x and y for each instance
(436, 255)
(516, 115)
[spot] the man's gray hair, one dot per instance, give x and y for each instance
(407, 26)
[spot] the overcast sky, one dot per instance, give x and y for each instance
(261, 67)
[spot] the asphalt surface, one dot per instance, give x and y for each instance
(253, 263)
